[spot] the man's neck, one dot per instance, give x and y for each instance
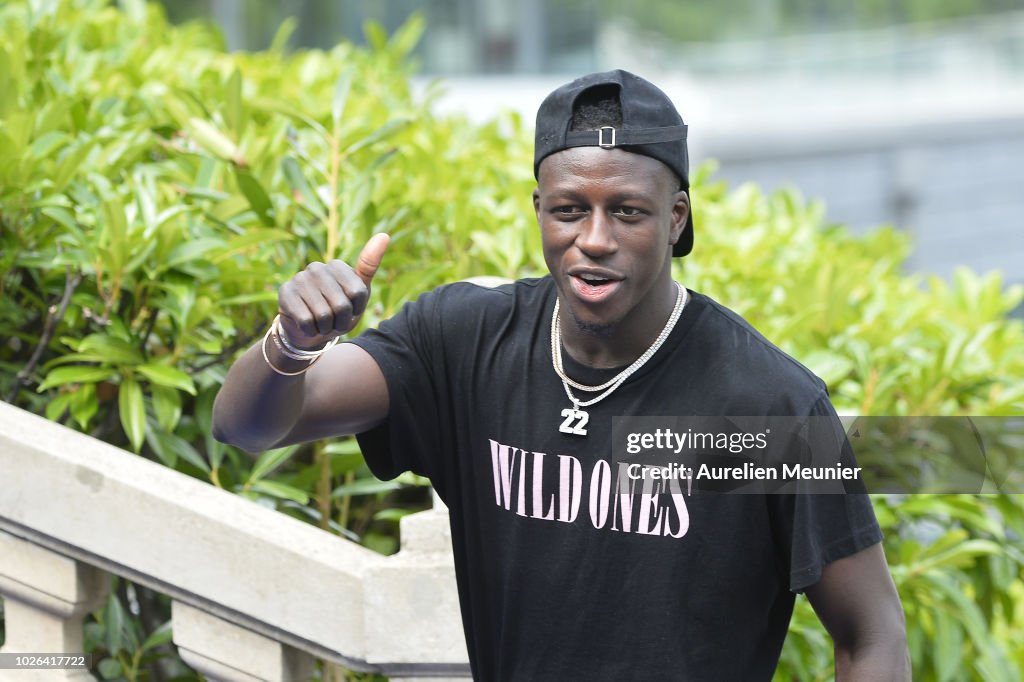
(623, 342)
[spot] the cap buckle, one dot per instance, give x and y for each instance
(601, 142)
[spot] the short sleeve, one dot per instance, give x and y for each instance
(409, 351)
(813, 530)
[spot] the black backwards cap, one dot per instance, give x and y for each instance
(650, 126)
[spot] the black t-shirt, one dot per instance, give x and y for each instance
(563, 572)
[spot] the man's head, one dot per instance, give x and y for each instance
(616, 110)
(611, 216)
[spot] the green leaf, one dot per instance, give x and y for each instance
(75, 375)
(257, 196)
(408, 478)
(277, 106)
(71, 164)
(341, 90)
(188, 453)
(233, 103)
(109, 669)
(247, 299)
(114, 619)
(293, 174)
(112, 349)
(367, 486)
(377, 135)
(62, 216)
(171, 377)
(56, 407)
(114, 236)
(214, 141)
(251, 238)
(166, 406)
(270, 460)
(204, 193)
(133, 411)
(215, 451)
(84, 405)
(343, 446)
(948, 646)
(408, 35)
(162, 635)
(831, 367)
(281, 491)
(284, 33)
(191, 250)
(342, 464)
(203, 413)
(394, 514)
(170, 447)
(376, 35)
(46, 144)
(345, 455)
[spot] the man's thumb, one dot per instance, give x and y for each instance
(371, 256)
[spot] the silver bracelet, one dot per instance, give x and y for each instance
(266, 358)
(289, 350)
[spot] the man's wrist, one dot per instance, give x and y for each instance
(282, 360)
(277, 360)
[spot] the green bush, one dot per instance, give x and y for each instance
(155, 191)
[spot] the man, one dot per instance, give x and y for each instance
(505, 397)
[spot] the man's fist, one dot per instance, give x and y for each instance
(326, 299)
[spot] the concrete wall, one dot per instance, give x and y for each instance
(256, 594)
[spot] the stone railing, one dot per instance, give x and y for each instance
(256, 595)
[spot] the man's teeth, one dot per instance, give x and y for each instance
(593, 279)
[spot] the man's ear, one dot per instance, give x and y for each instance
(536, 203)
(680, 212)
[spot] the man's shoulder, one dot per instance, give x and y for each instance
(487, 296)
(488, 286)
(739, 354)
(456, 312)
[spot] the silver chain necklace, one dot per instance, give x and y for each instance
(576, 420)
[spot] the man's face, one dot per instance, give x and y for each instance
(608, 219)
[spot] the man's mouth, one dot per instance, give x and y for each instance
(593, 287)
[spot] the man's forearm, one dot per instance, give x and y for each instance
(257, 407)
(882, 659)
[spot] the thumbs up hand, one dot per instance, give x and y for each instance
(326, 300)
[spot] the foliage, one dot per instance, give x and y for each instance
(155, 191)
(886, 343)
(117, 644)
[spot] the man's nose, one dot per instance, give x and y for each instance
(596, 237)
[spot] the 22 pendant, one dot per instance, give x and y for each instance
(575, 422)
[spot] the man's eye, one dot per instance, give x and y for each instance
(568, 210)
(628, 211)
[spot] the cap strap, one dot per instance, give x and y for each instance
(609, 137)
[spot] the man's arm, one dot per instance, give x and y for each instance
(857, 603)
(345, 392)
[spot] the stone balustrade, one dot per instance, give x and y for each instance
(256, 594)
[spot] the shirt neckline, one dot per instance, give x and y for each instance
(595, 376)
